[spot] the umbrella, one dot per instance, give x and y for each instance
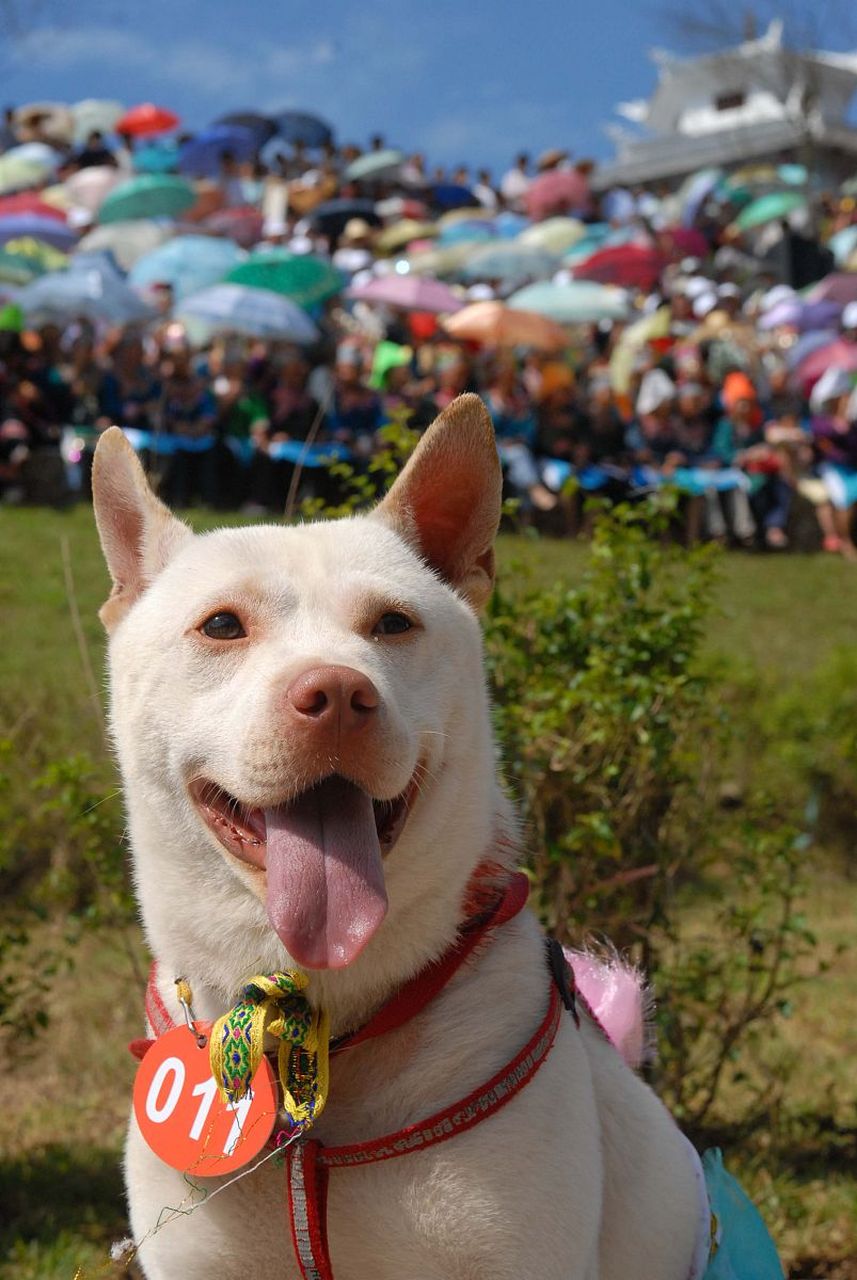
(45, 122)
(800, 313)
(467, 231)
(497, 325)
(448, 195)
(331, 217)
(375, 164)
(201, 156)
(49, 230)
(28, 202)
(630, 265)
(402, 233)
(18, 173)
(127, 241)
(43, 255)
(297, 126)
(262, 127)
(149, 196)
(146, 120)
(632, 341)
(554, 234)
(768, 208)
(842, 244)
(305, 279)
(509, 224)
(446, 260)
(578, 302)
(596, 237)
(188, 263)
(409, 293)
(255, 313)
(509, 261)
(88, 188)
(840, 287)
(97, 295)
(95, 114)
(557, 191)
(157, 157)
(693, 193)
(17, 268)
(682, 242)
(807, 343)
(242, 223)
(838, 354)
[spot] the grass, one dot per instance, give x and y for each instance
(61, 1132)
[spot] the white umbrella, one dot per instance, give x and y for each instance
(579, 302)
(128, 241)
(95, 114)
(87, 188)
(255, 313)
(91, 291)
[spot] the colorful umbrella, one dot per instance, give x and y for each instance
(633, 266)
(768, 208)
(49, 230)
(298, 126)
(408, 293)
(187, 263)
(494, 324)
(255, 313)
(157, 157)
(146, 121)
(202, 155)
(510, 261)
(682, 242)
(838, 354)
(840, 287)
(45, 256)
(88, 188)
(95, 114)
(242, 223)
(305, 279)
(557, 235)
(18, 269)
(127, 241)
(28, 202)
(96, 295)
(375, 164)
(557, 191)
(149, 196)
(578, 302)
(801, 314)
(262, 127)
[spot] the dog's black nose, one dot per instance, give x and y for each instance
(333, 695)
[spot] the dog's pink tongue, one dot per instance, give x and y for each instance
(326, 894)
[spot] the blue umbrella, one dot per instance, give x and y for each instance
(50, 230)
(157, 157)
(466, 232)
(201, 156)
(510, 262)
(262, 127)
(188, 263)
(448, 195)
(808, 343)
(255, 313)
(297, 126)
(92, 291)
(510, 224)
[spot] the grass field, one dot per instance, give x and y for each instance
(61, 1129)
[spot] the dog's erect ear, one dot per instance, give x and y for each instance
(447, 501)
(138, 534)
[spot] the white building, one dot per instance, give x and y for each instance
(759, 101)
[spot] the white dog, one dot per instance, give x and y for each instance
(271, 687)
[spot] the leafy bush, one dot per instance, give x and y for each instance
(612, 735)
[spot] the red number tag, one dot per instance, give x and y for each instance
(182, 1117)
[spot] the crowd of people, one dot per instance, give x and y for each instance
(718, 357)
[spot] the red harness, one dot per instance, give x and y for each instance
(309, 1161)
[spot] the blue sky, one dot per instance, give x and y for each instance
(463, 80)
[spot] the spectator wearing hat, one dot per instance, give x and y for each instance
(833, 403)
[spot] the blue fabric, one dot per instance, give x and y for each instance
(317, 455)
(745, 1250)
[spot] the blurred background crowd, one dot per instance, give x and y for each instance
(256, 301)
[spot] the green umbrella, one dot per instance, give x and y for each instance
(579, 302)
(375, 164)
(19, 268)
(152, 195)
(18, 173)
(303, 278)
(777, 204)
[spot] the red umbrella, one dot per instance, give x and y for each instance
(26, 202)
(243, 224)
(145, 120)
(836, 355)
(634, 266)
(555, 192)
(682, 242)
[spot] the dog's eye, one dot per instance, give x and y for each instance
(392, 624)
(223, 626)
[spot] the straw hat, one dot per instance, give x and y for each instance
(355, 230)
(551, 158)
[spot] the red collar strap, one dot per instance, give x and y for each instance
(493, 898)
